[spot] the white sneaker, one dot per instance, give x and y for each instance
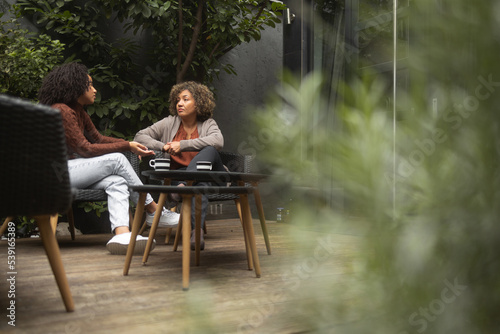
(119, 243)
(168, 218)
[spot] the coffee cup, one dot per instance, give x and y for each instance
(203, 165)
(160, 163)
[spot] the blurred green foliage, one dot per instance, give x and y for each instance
(421, 192)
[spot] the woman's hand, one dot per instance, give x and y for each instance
(172, 148)
(140, 149)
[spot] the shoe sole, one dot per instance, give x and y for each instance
(149, 222)
(116, 248)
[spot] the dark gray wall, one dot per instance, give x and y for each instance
(257, 64)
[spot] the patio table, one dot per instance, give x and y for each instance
(217, 177)
(187, 194)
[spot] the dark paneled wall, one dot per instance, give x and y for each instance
(297, 37)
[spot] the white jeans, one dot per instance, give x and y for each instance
(112, 173)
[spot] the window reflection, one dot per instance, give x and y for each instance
(371, 8)
(375, 43)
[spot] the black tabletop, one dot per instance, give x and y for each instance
(192, 189)
(206, 176)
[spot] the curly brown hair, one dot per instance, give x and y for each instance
(203, 98)
(64, 84)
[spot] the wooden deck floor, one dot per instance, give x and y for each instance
(224, 297)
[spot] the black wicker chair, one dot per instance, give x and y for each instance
(237, 163)
(243, 164)
(35, 180)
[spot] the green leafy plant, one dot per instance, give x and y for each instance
(25, 59)
(25, 227)
(97, 207)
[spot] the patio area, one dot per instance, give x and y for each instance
(224, 297)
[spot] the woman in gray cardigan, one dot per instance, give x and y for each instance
(188, 135)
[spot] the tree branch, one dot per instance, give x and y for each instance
(194, 41)
(213, 50)
(262, 5)
(179, 47)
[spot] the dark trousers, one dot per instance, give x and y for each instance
(208, 153)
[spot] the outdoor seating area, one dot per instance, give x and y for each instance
(101, 294)
(254, 167)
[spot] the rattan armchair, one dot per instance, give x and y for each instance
(34, 175)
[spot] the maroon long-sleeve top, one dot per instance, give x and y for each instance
(82, 137)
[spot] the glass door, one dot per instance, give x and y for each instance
(375, 46)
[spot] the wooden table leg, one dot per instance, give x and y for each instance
(135, 230)
(178, 233)
(262, 217)
(186, 236)
(197, 229)
(247, 221)
(154, 226)
(249, 254)
(245, 237)
(247, 247)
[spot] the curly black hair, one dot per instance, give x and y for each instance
(203, 98)
(64, 84)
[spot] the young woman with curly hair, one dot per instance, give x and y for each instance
(94, 160)
(188, 135)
